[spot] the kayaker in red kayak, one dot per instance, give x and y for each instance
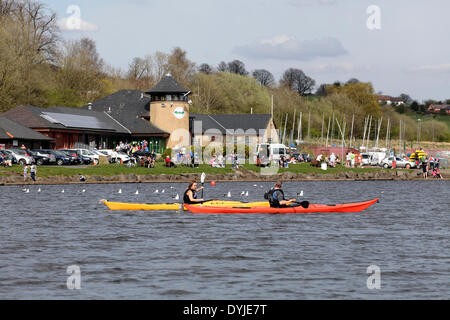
(190, 195)
(277, 200)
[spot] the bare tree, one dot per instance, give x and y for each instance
(206, 68)
(237, 67)
(181, 68)
(160, 65)
(297, 81)
(264, 77)
(223, 67)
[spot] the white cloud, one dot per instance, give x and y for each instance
(76, 24)
(432, 69)
(283, 47)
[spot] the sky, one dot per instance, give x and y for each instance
(401, 46)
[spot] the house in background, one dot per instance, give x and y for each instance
(251, 129)
(437, 108)
(14, 135)
(391, 101)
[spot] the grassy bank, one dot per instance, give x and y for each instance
(114, 170)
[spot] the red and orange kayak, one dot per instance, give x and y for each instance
(313, 208)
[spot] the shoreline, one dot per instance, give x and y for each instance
(237, 176)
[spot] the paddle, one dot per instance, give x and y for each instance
(202, 180)
(304, 204)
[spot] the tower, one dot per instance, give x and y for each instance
(169, 110)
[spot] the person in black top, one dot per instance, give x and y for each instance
(277, 200)
(190, 195)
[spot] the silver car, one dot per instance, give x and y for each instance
(400, 163)
(22, 157)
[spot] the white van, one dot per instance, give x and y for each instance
(271, 152)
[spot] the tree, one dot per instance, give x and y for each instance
(81, 71)
(400, 108)
(298, 81)
(322, 90)
(237, 67)
(415, 106)
(160, 60)
(205, 68)
(223, 67)
(264, 77)
(180, 66)
(140, 72)
(353, 81)
(28, 43)
(406, 98)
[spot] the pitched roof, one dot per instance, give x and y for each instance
(128, 107)
(63, 118)
(232, 122)
(12, 130)
(168, 84)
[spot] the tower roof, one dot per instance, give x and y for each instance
(168, 84)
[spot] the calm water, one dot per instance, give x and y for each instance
(168, 255)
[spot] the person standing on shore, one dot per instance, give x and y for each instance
(33, 171)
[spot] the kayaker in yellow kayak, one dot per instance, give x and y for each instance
(190, 195)
(277, 200)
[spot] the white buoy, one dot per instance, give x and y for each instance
(255, 185)
(163, 191)
(300, 194)
(27, 191)
(137, 192)
(120, 191)
(62, 191)
(39, 190)
(246, 194)
(83, 191)
(177, 197)
(156, 191)
(229, 194)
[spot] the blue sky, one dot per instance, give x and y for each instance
(328, 39)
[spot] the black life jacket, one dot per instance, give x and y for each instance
(186, 199)
(269, 196)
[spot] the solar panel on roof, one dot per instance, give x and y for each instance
(76, 121)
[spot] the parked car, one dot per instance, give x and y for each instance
(74, 159)
(77, 153)
(39, 159)
(21, 156)
(61, 158)
(89, 154)
(400, 163)
(51, 159)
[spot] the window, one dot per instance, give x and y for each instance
(168, 97)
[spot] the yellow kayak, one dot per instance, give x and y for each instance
(177, 206)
